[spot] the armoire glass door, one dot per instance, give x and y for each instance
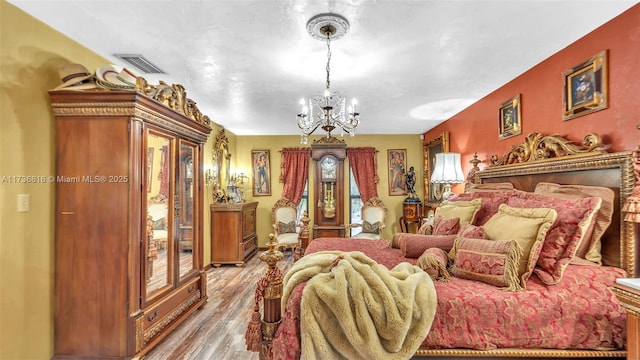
(158, 242)
(186, 207)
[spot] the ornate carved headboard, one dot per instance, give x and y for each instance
(593, 168)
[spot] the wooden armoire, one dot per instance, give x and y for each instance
(128, 218)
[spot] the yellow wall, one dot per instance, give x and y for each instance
(30, 55)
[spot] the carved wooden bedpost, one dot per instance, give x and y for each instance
(260, 332)
(303, 237)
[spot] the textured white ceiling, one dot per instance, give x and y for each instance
(410, 63)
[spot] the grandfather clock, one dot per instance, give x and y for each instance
(329, 154)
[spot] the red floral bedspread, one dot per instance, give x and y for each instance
(578, 313)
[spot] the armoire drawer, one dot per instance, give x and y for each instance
(162, 314)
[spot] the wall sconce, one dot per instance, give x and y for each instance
(447, 171)
(209, 177)
(238, 179)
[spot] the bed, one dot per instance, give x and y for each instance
(575, 317)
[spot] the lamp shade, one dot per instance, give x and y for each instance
(447, 169)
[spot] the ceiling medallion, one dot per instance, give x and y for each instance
(327, 111)
(336, 25)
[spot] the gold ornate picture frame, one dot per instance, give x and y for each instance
(510, 118)
(261, 172)
(430, 149)
(397, 167)
(585, 87)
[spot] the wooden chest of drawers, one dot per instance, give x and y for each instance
(233, 233)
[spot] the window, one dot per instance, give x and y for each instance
(304, 202)
(355, 204)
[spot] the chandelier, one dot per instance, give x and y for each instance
(327, 111)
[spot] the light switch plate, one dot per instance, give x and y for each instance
(23, 202)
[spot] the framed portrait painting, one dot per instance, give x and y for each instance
(261, 172)
(432, 192)
(510, 119)
(397, 166)
(585, 87)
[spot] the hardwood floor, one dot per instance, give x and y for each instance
(217, 330)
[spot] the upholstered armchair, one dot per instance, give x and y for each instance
(374, 216)
(285, 215)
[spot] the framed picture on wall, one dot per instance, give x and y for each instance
(397, 166)
(261, 172)
(585, 87)
(432, 192)
(510, 120)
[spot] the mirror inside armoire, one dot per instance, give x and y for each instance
(185, 207)
(159, 218)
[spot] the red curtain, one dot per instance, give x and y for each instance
(294, 172)
(363, 165)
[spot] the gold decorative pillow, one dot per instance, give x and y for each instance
(527, 226)
(465, 210)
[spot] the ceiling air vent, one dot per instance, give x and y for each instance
(140, 63)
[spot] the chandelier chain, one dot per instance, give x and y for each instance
(328, 59)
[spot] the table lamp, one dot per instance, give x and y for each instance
(447, 171)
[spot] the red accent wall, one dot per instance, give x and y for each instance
(475, 129)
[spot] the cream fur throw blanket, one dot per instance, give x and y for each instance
(354, 308)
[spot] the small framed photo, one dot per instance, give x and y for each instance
(585, 87)
(510, 120)
(261, 172)
(397, 165)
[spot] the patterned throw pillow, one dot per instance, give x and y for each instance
(490, 201)
(284, 228)
(591, 245)
(527, 226)
(565, 236)
(493, 262)
(472, 231)
(445, 226)
(370, 228)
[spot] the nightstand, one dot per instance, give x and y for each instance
(411, 214)
(628, 293)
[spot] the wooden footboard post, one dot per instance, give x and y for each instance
(260, 332)
(303, 237)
